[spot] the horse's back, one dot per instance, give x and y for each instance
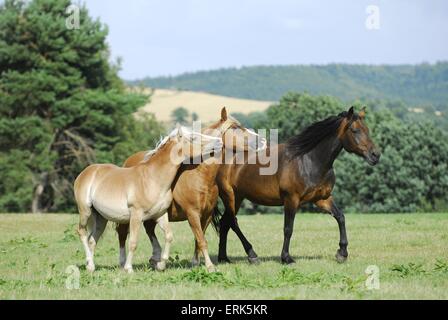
(135, 159)
(257, 179)
(83, 182)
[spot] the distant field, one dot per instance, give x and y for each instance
(410, 251)
(206, 105)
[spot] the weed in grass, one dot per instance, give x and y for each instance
(26, 242)
(441, 266)
(177, 263)
(69, 233)
(200, 275)
(243, 281)
(410, 269)
(351, 285)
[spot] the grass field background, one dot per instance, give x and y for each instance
(410, 250)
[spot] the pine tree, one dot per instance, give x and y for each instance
(62, 105)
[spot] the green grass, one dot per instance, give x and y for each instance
(411, 252)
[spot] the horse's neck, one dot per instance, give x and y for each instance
(324, 155)
(162, 162)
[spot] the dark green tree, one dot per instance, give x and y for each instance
(62, 105)
(180, 115)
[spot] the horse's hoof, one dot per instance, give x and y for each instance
(287, 260)
(340, 258)
(160, 266)
(224, 260)
(211, 268)
(154, 260)
(195, 263)
(90, 267)
(253, 260)
(128, 269)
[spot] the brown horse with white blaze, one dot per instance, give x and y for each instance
(305, 175)
(195, 192)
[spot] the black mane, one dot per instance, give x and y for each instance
(312, 135)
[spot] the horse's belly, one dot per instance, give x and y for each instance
(115, 211)
(159, 207)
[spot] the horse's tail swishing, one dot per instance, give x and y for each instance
(216, 218)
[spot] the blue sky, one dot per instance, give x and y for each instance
(166, 37)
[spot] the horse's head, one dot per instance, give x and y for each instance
(355, 138)
(236, 137)
(184, 143)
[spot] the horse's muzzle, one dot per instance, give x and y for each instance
(373, 157)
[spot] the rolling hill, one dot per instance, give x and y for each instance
(415, 85)
(207, 106)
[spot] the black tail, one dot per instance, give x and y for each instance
(216, 218)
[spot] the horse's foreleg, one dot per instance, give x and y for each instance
(224, 227)
(195, 224)
(196, 256)
(122, 230)
(165, 226)
(134, 228)
(228, 198)
(233, 221)
(290, 206)
(330, 206)
(251, 255)
(150, 226)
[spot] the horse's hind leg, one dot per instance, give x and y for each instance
(97, 230)
(122, 230)
(86, 221)
(165, 226)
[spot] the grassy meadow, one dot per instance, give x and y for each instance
(410, 250)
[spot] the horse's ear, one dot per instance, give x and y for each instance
(223, 114)
(362, 113)
(350, 114)
(179, 130)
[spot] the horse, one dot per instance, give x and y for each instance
(106, 192)
(305, 175)
(195, 192)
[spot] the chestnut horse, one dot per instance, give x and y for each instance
(131, 195)
(195, 192)
(305, 175)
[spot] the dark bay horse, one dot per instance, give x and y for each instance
(305, 175)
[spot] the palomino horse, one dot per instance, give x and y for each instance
(305, 174)
(131, 195)
(195, 191)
